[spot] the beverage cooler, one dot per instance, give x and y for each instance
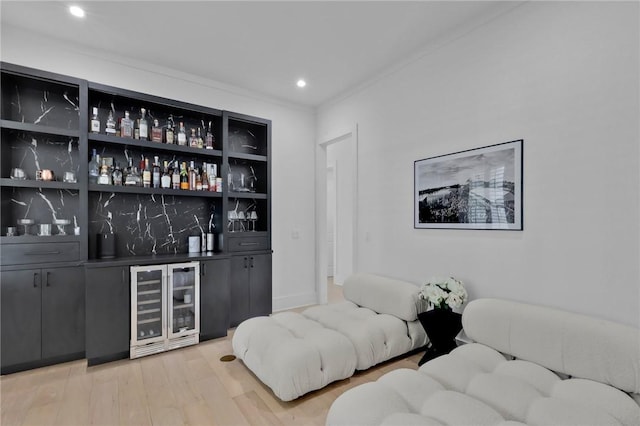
(165, 307)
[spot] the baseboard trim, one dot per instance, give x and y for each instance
(294, 301)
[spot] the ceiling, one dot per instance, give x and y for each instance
(262, 46)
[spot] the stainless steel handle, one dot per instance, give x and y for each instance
(40, 253)
(47, 282)
(35, 279)
(204, 269)
(248, 244)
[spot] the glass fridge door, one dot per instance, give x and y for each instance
(184, 299)
(148, 307)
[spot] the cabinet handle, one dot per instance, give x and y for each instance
(248, 244)
(47, 282)
(246, 263)
(40, 253)
(35, 279)
(204, 269)
(252, 261)
(122, 282)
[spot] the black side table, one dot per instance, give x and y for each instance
(442, 326)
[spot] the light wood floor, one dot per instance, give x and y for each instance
(188, 386)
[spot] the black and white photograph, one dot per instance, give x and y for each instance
(474, 189)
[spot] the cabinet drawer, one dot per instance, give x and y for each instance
(248, 243)
(19, 254)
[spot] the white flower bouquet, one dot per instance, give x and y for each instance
(444, 293)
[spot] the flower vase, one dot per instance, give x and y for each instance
(441, 326)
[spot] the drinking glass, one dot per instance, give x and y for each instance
(241, 219)
(253, 217)
(233, 217)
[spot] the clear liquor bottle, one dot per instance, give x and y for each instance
(146, 174)
(126, 126)
(165, 180)
(156, 175)
(104, 178)
(199, 139)
(117, 175)
(209, 138)
(143, 125)
(182, 135)
(95, 121)
(94, 170)
(110, 128)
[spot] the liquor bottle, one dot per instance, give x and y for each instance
(133, 177)
(110, 128)
(193, 140)
(198, 186)
(182, 135)
(192, 176)
(117, 175)
(104, 178)
(184, 176)
(205, 178)
(200, 140)
(209, 138)
(146, 174)
(94, 172)
(165, 180)
(126, 126)
(95, 121)
(143, 125)
(175, 177)
(156, 172)
(169, 132)
(156, 131)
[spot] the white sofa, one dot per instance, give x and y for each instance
(529, 365)
(295, 353)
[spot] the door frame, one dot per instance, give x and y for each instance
(321, 207)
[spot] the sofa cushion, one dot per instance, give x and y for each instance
(384, 295)
(375, 337)
(488, 390)
(562, 341)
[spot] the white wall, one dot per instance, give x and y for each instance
(564, 77)
(292, 136)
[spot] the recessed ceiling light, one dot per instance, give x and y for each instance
(76, 11)
(301, 83)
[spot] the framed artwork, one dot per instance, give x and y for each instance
(475, 189)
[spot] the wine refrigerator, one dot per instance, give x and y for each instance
(165, 307)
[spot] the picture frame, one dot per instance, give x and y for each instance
(479, 188)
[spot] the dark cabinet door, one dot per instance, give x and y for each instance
(62, 311)
(108, 313)
(215, 297)
(239, 290)
(21, 321)
(260, 294)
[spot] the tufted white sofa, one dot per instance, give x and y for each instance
(529, 365)
(295, 353)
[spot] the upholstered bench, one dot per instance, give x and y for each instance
(296, 353)
(531, 365)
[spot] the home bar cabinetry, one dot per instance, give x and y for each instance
(53, 123)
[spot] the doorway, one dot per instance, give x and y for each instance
(337, 211)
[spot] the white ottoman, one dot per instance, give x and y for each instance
(292, 354)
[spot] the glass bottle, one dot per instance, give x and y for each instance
(198, 186)
(209, 138)
(94, 171)
(156, 131)
(184, 176)
(175, 177)
(95, 121)
(104, 178)
(169, 132)
(200, 140)
(156, 172)
(146, 174)
(182, 135)
(165, 180)
(192, 176)
(126, 126)
(205, 178)
(110, 128)
(117, 175)
(143, 125)
(193, 140)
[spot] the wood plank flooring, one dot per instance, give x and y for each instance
(188, 386)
